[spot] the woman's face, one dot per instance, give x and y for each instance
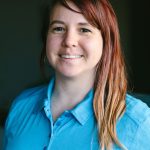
(73, 47)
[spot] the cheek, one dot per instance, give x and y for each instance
(52, 44)
(94, 49)
(98, 47)
(49, 42)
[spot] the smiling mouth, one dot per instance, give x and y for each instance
(70, 56)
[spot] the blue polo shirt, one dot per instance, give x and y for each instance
(30, 126)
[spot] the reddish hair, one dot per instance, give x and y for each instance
(110, 82)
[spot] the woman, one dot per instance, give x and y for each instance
(85, 105)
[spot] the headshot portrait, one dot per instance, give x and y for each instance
(75, 75)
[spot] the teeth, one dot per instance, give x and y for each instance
(71, 56)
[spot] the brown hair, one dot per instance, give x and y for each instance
(110, 82)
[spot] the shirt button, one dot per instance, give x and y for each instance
(67, 115)
(58, 123)
(45, 148)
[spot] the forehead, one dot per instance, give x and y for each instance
(62, 13)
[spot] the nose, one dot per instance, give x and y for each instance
(70, 39)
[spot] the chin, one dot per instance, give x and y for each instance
(68, 74)
(67, 71)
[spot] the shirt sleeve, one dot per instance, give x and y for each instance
(10, 120)
(7, 127)
(141, 140)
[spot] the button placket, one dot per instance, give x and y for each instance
(67, 115)
(51, 135)
(57, 125)
(50, 142)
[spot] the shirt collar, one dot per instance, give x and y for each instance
(46, 95)
(81, 111)
(49, 93)
(84, 109)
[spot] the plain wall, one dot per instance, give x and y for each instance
(140, 45)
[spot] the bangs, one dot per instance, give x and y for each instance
(88, 8)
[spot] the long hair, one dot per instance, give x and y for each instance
(110, 81)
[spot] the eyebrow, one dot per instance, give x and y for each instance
(56, 22)
(61, 22)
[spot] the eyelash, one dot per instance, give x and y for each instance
(85, 30)
(62, 30)
(58, 29)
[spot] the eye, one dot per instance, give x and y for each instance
(58, 30)
(85, 30)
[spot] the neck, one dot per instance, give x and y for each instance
(72, 90)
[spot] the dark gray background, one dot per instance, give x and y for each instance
(20, 45)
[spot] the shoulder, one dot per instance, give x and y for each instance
(135, 124)
(31, 92)
(136, 110)
(25, 104)
(31, 95)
